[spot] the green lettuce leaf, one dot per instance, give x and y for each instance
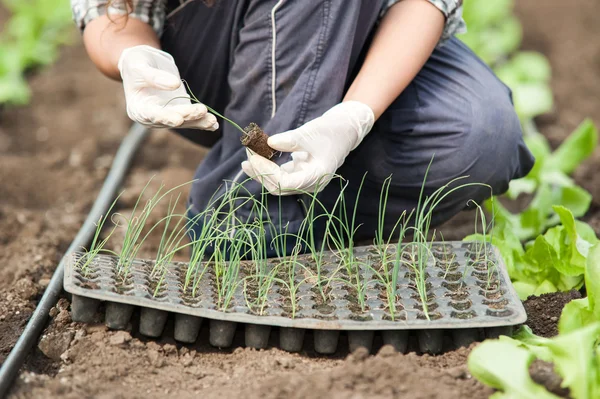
(532, 99)
(583, 312)
(573, 355)
(576, 315)
(576, 148)
(505, 366)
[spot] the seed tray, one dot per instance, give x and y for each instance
(467, 289)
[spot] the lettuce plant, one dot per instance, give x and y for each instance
(554, 261)
(504, 364)
(585, 311)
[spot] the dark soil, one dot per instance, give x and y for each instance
(543, 373)
(256, 140)
(54, 155)
(544, 311)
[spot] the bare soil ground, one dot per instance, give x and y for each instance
(54, 155)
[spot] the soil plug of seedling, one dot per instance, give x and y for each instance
(256, 140)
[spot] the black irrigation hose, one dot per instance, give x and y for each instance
(107, 194)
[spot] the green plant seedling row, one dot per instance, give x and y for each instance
(467, 286)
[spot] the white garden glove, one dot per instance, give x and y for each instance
(152, 84)
(318, 149)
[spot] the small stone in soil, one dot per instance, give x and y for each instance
(170, 349)
(256, 140)
(54, 344)
(360, 354)
(155, 358)
(386, 351)
(119, 338)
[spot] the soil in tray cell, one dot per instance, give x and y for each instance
(90, 285)
(123, 285)
(450, 276)
(87, 281)
(186, 293)
(156, 287)
(251, 292)
(463, 315)
(492, 294)
(485, 275)
(498, 313)
(399, 316)
(481, 265)
(446, 264)
(491, 285)
(500, 304)
(461, 305)
(442, 248)
(431, 306)
(460, 294)
(325, 309)
(432, 316)
(358, 313)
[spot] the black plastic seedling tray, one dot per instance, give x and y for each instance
(467, 300)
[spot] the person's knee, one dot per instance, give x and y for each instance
(491, 153)
(503, 147)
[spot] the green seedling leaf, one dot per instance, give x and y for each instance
(576, 148)
(504, 366)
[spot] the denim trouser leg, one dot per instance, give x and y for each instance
(455, 115)
(283, 63)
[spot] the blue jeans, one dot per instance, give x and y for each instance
(455, 110)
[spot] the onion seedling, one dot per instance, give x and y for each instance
(227, 273)
(425, 208)
(170, 245)
(96, 246)
(133, 239)
(308, 236)
(481, 246)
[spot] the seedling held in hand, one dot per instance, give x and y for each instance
(253, 137)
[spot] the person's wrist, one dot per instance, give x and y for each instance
(142, 48)
(364, 116)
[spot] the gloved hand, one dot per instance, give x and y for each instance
(318, 149)
(151, 81)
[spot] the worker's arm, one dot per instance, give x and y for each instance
(126, 48)
(105, 39)
(405, 39)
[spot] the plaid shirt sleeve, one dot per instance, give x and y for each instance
(150, 11)
(452, 10)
